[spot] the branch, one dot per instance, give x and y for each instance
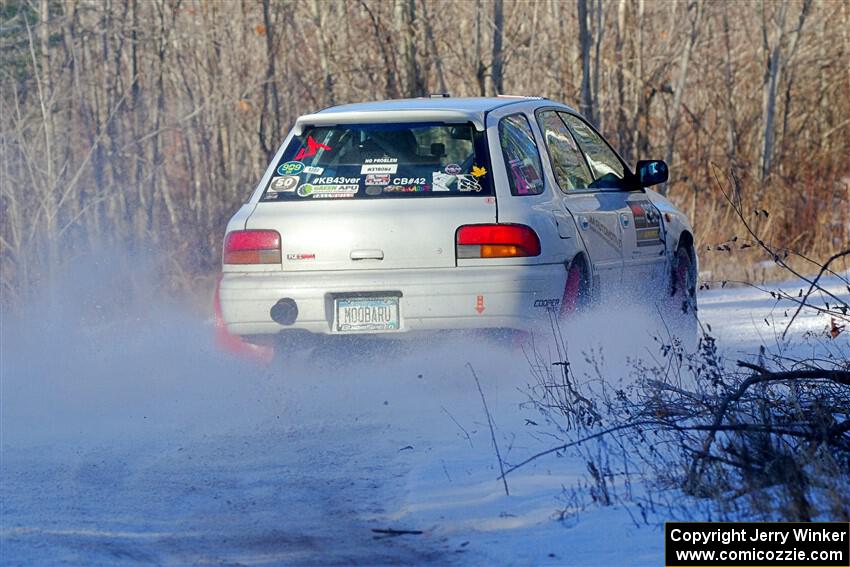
(492, 432)
(764, 375)
(823, 268)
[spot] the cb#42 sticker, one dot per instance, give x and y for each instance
(409, 181)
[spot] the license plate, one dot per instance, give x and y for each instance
(358, 314)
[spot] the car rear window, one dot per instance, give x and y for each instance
(373, 161)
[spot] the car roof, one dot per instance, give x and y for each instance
(450, 109)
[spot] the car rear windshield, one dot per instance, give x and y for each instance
(374, 161)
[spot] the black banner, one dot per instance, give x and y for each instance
(757, 544)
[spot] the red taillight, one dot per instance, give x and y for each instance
(496, 241)
(252, 247)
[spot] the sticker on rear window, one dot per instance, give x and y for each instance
(285, 184)
(378, 179)
(290, 168)
(453, 169)
(314, 170)
(335, 180)
(478, 171)
(327, 191)
(379, 168)
(312, 149)
(467, 183)
(409, 181)
(443, 181)
(406, 188)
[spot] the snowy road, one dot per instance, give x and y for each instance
(139, 444)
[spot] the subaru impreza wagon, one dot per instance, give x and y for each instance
(442, 213)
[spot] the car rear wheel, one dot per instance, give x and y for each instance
(576, 290)
(681, 312)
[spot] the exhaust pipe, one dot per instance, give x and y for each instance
(284, 312)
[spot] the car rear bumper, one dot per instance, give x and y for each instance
(511, 297)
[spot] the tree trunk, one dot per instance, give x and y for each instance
(498, 22)
(584, 45)
(434, 52)
(270, 93)
(695, 9)
(412, 84)
(324, 61)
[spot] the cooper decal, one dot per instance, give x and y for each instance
(552, 303)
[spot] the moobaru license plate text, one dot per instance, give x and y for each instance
(367, 314)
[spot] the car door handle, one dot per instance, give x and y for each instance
(367, 254)
(625, 220)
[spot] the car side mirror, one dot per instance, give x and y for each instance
(652, 172)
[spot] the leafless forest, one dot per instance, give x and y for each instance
(144, 123)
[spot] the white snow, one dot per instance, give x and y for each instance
(132, 440)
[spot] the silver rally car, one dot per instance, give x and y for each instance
(448, 213)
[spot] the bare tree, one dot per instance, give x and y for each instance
(776, 64)
(695, 9)
(496, 65)
(584, 40)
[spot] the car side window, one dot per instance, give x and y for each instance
(522, 159)
(571, 171)
(607, 168)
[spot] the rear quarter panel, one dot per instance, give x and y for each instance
(531, 210)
